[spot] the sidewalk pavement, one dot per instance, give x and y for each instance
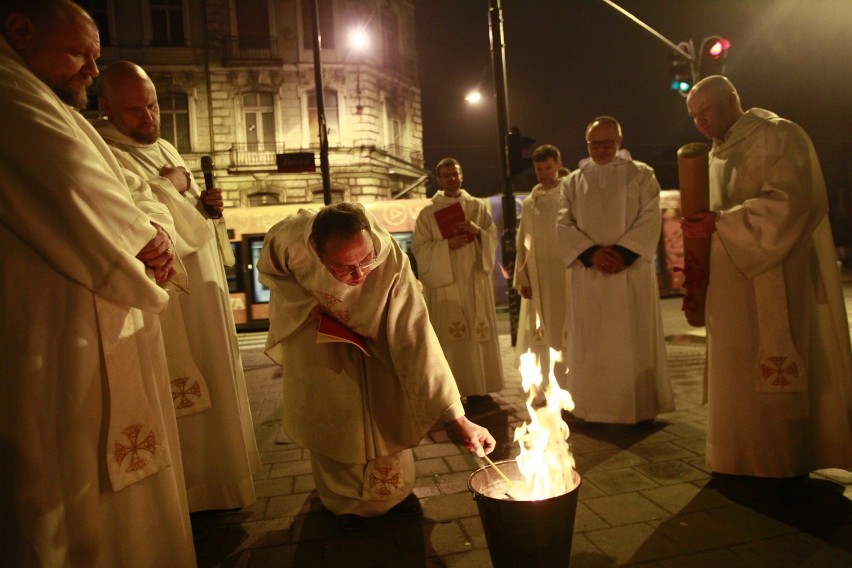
(646, 497)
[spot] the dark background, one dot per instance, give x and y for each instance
(568, 61)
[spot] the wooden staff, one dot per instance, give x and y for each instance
(693, 173)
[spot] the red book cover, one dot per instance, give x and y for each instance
(448, 218)
(330, 330)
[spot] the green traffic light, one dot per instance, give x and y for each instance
(681, 86)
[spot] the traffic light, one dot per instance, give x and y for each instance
(520, 147)
(682, 69)
(714, 52)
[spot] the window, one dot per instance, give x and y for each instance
(99, 11)
(326, 23)
(174, 120)
(259, 119)
(390, 38)
(253, 24)
(167, 22)
(331, 117)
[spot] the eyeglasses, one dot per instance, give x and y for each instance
(601, 143)
(352, 270)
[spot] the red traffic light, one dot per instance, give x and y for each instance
(719, 48)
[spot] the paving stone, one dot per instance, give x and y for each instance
(586, 520)
(288, 505)
(624, 509)
(661, 452)
(436, 450)
(633, 543)
(449, 507)
(431, 466)
(290, 468)
(671, 472)
(271, 487)
(685, 498)
(614, 481)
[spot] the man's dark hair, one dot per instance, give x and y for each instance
(546, 151)
(447, 162)
(337, 220)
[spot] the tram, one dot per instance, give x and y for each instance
(248, 226)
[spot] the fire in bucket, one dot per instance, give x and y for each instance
(527, 506)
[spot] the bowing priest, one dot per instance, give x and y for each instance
(360, 413)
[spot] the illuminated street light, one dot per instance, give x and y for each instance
(359, 39)
(473, 97)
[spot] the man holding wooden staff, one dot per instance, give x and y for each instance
(779, 369)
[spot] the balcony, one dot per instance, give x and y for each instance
(251, 50)
(254, 155)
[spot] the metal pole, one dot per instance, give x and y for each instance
(652, 31)
(498, 63)
(323, 128)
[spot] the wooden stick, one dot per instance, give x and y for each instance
(497, 469)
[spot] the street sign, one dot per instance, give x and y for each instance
(296, 162)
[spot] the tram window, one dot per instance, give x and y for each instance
(260, 293)
(233, 272)
(404, 242)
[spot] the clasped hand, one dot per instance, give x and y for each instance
(159, 256)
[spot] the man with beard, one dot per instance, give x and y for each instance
(91, 472)
(779, 369)
(214, 419)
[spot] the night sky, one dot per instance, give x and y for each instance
(568, 61)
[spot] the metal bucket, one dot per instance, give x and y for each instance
(523, 533)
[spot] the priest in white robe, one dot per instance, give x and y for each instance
(358, 413)
(91, 471)
(206, 373)
(608, 227)
(779, 369)
(540, 275)
(456, 268)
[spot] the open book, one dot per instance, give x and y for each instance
(448, 218)
(330, 330)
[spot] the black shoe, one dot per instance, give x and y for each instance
(408, 507)
(793, 489)
(349, 522)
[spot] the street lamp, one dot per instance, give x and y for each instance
(473, 97)
(359, 42)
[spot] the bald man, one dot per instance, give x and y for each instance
(779, 374)
(608, 228)
(91, 470)
(216, 432)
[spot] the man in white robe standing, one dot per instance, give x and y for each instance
(456, 268)
(91, 471)
(779, 369)
(359, 413)
(214, 419)
(540, 275)
(608, 227)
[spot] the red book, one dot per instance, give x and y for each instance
(448, 218)
(330, 330)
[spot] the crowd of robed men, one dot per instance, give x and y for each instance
(123, 402)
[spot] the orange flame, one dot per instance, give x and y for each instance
(545, 458)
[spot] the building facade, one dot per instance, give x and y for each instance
(235, 81)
